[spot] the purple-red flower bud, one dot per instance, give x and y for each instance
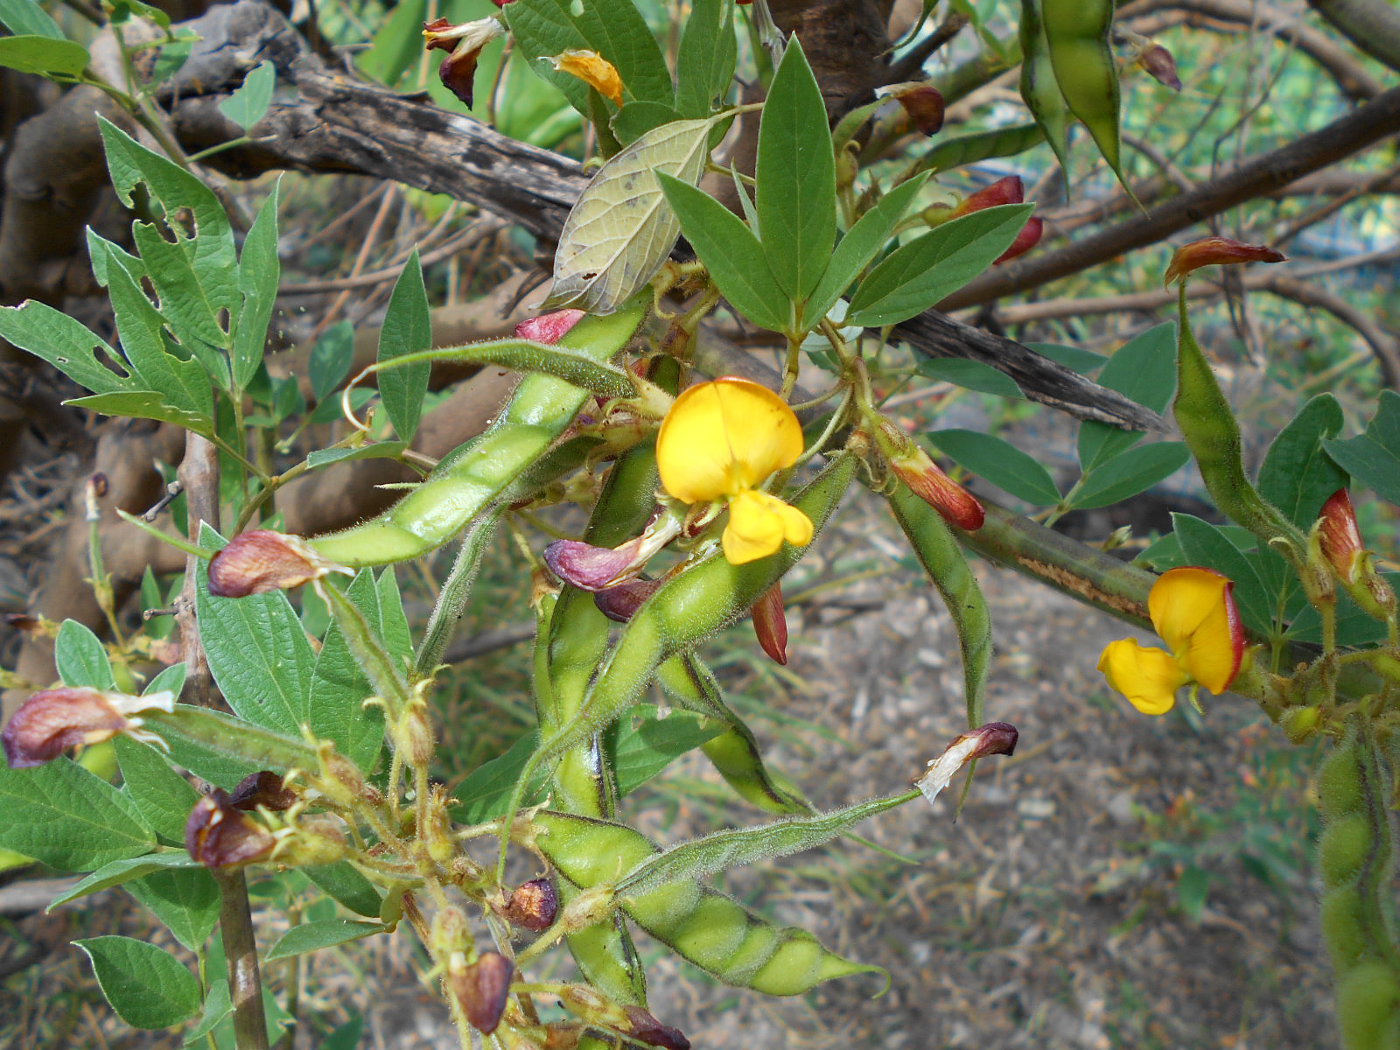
(218, 835)
(770, 623)
(263, 560)
(1159, 64)
(483, 989)
(1009, 190)
(620, 603)
(923, 106)
(913, 466)
(534, 905)
(549, 328)
(53, 720)
(1213, 251)
(1340, 538)
(649, 1030)
(1027, 239)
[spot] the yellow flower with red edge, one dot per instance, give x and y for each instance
(718, 444)
(1193, 610)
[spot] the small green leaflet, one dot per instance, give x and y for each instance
(1373, 458)
(621, 229)
(27, 18)
(43, 54)
(1001, 463)
(248, 105)
(145, 984)
(313, 936)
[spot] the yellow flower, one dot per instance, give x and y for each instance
(720, 441)
(1193, 609)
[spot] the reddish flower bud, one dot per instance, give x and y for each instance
(770, 624)
(265, 789)
(483, 989)
(923, 105)
(263, 560)
(587, 567)
(1010, 190)
(621, 603)
(1159, 64)
(649, 1030)
(1340, 537)
(220, 836)
(56, 719)
(549, 328)
(916, 469)
(1212, 251)
(534, 905)
(1027, 239)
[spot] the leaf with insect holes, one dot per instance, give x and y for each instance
(621, 229)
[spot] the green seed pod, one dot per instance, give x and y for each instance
(1367, 999)
(1344, 927)
(1039, 88)
(468, 480)
(1343, 848)
(1339, 783)
(1077, 35)
(982, 145)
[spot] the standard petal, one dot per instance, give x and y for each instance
(758, 524)
(1182, 601)
(1148, 677)
(723, 437)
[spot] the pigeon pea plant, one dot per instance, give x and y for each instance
(317, 757)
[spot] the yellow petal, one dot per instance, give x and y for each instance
(723, 437)
(758, 524)
(594, 70)
(1149, 678)
(1193, 610)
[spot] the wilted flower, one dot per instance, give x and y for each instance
(534, 905)
(593, 69)
(1159, 64)
(719, 442)
(647, 1029)
(913, 466)
(465, 41)
(621, 602)
(549, 328)
(770, 624)
(53, 720)
(1193, 609)
(922, 104)
(993, 738)
(219, 835)
(266, 790)
(263, 560)
(482, 989)
(591, 568)
(1212, 251)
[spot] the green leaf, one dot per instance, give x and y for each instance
(1134, 471)
(1297, 476)
(974, 375)
(218, 1004)
(123, 871)
(620, 230)
(338, 689)
(32, 53)
(860, 245)
(1072, 357)
(146, 985)
(82, 658)
(635, 119)
(1143, 369)
(324, 457)
(397, 44)
(163, 797)
(314, 936)
(27, 18)
(61, 814)
(707, 56)
(929, 268)
(1373, 458)
(195, 276)
(344, 883)
(407, 329)
(182, 382)
(613, 28)
(170, 680)
(485, 794)
(144, 404)
(796, 195)
(331, 358)
(732, 254)
(393, 626)
(187, 900)
(66, 344)
(258, 652)
(223, 749)
(645, 750)
(248, 104)
(1207, 545)
(347, 1036)
(999, 462)
(259, 271)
